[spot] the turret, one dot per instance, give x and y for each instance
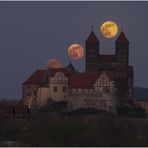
(92, 53)
(122, 64)
(70, 68)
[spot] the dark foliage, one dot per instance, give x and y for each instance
(82, 111)
(127, 111)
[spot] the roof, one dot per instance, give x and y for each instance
(86, 80)
(63, 70)
(83, 80)
(36, 78)
(122, 38)
(80, 80)
(111, 75)
(92, 38)
(107, 58)
(41, 76)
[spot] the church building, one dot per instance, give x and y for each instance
(106, 83)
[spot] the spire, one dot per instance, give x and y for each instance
(122, 38)
(92, 38)
(70, 67)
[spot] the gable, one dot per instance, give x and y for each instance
(104, 80)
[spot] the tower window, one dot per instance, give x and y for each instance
(55, 89)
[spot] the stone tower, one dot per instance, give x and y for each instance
(122, 64)
(92, 53)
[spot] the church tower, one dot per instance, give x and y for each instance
(122, 64)
(92, 53)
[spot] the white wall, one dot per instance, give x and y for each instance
(59, 80)
(42, 95)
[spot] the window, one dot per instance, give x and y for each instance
(106, 90)
(64, 88)
(55, 89)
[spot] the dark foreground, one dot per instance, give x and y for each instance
(84, 130)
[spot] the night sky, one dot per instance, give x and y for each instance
(31, 33)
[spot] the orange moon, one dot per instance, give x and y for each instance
(109, 29)
(76, 51)
(53, 64)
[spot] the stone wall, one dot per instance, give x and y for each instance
(106, 102)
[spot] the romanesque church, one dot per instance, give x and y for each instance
(107, 82)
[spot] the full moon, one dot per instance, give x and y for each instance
(75, 51)
(109, 29)
(53, 64)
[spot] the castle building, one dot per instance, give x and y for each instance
(119, 63)
(106, 83)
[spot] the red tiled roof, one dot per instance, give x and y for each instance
(122, 38)
(86, 80)
(107, 58)
(53, 71)
(92, 38)
(83, 80)
(36, 78)
(40, 76)
(111, 75)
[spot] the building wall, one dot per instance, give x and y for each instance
(29, 94)
(58, 86)
(95, 100)
(102, 96)
(42, 95)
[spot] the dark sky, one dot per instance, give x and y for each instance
(31, 33)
